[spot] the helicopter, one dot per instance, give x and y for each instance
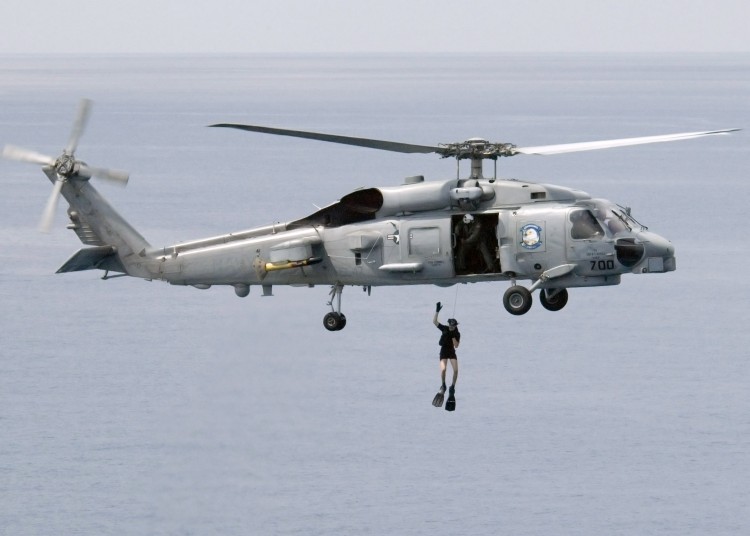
(459, 230)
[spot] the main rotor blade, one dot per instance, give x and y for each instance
(346, 140)
(82, 118)
(11, 152)
(606, 144)
(49, 211)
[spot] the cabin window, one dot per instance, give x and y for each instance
(424, 241)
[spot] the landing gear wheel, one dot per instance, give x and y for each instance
(556, 302)
(517, 300)
(334, 321)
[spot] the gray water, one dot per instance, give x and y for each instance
(134, 407)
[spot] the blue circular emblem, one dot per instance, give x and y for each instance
(531, 236)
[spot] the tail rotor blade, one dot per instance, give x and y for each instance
(11, 152)
(49, 212)
(115, 176)
(82, 118)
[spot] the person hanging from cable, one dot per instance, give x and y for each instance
(450, 338)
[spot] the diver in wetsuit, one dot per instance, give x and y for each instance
(450, 338)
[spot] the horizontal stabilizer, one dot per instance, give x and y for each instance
(99, 257)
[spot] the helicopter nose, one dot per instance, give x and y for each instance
(659, 254)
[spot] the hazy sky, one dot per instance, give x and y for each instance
(220, 26)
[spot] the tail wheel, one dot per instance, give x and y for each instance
(517, 300)
(334, 321)
(556, 302)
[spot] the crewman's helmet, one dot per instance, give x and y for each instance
(452, 322)
(468, 218)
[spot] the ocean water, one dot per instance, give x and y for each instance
(134, 407)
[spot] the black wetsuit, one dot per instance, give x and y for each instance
(447, 351)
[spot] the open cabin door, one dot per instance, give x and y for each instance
(475, 245)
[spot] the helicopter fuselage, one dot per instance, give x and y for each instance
(416, 233)
(554, 236)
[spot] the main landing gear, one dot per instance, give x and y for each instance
(517, 299)
(553, 299)
(335, 320)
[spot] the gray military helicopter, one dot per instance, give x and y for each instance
(460, 230)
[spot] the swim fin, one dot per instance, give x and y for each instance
(438, 400)
(451, 404)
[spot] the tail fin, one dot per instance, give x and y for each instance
(117, 245)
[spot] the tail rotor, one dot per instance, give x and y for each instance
(65, 166)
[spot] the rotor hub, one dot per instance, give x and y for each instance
(65, 165)
(476, 149)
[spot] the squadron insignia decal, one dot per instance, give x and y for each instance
(531, 236)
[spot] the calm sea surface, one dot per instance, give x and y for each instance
(133, 407)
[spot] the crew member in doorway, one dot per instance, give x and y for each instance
(470, 238)
(449, 341)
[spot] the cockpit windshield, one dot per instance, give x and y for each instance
(615, 218)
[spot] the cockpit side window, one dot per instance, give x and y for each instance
(584, 225)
